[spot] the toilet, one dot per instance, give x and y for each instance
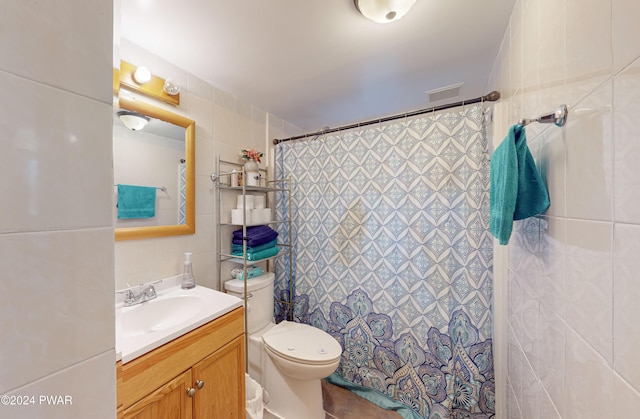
(288, 359)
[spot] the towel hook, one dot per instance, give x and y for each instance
(559, 117)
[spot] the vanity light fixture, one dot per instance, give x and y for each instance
(133, 120)
(383, 11)
(133, 78)
(142, 75)
(170, 87)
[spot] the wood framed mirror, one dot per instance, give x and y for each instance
(188, 226)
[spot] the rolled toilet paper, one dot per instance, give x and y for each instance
(258, 201)
(256, 216)
(236, 216)
(265, 215)
(241, 200)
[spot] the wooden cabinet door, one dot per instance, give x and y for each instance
(170, 401)
(222, 373)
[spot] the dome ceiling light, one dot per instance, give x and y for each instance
(133, 120)
(383, 11)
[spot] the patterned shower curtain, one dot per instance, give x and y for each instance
(393, 258)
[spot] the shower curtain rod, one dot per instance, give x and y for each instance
(491, 97)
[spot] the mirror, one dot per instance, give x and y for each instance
(165, 152)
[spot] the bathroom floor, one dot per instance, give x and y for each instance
(340, 403)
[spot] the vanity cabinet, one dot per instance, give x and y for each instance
(219, 372)
(169, 401)
(198, 375)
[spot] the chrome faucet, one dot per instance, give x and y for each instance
(144, 294)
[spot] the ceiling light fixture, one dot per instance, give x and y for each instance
(133, 120)
(383, 11)
(142, 75)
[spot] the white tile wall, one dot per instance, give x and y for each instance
(56, 238)
(626, 400)
(56, 171)
(60, 281)
(627, 148)
(579, 357)
(60, 44)
(53, 398)
(626, 333)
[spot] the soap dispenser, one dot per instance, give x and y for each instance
(188, 281)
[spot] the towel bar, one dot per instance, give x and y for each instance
(559, 117)
(162, 188)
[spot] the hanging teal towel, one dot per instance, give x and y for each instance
(136, 201)
(517, 189)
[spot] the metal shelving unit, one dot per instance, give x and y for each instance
(221, 179)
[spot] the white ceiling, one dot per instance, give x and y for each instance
(319, 63)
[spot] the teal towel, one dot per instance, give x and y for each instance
(136, 201)
(261, 254)
(517, 189)
(238, 247)
(252, 272)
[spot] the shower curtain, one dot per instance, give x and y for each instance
(393, 258)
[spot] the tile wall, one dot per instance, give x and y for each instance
(224, 126)
(56, 234)
(568, 285)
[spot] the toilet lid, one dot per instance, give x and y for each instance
(302, 343)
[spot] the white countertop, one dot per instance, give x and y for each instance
(209, 305)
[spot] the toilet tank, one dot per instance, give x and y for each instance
(259, 299)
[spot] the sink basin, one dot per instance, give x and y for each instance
(146, 326)
(159, 314)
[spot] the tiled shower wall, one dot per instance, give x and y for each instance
(569, 280)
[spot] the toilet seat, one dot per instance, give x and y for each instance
(302, 344)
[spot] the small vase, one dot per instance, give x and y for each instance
(252, 172)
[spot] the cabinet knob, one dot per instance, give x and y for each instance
(199, 383)
(191, 392)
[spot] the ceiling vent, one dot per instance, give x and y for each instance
(447, 92)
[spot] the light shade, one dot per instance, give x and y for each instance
(142, 75)
(133, 120)
(384, 11)
(171, 87)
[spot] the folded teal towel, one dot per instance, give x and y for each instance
(252, 272)
(136, 201)
(517, 189)
(262, 254)
(238, 247)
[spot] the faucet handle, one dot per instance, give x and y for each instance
(129, 297)
(150, 292)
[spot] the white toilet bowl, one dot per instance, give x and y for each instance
(301, 351)
(293, 381)
(287, 359)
